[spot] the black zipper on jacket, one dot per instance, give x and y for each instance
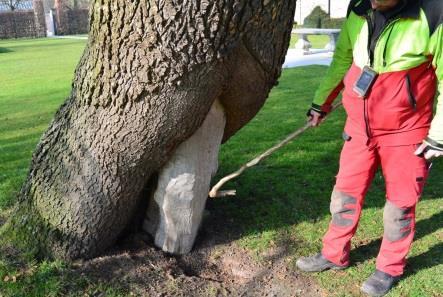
(366, 116)
(411, 96)
(371, 62)
(370, 32)
(371, 55)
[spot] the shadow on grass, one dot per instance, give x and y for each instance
(429, 259)
(17, 142)
(419, 262)
(4, 50)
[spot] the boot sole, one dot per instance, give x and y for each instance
(323, 268)
(339, 267)
(372, 294)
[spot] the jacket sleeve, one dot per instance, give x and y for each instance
(435, 136)
(332, 84)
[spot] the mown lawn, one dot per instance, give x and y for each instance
(284, 200)
(317, 41)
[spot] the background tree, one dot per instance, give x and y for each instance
(76, 4)
(319, 18)
(316, 19)
(148, 77)
(48, 4)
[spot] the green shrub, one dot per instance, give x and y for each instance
(333, 23)
(316, 18)
(319, 18)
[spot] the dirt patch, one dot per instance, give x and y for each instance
(143, 270)
(215, 267)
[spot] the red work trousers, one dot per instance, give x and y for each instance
(404, 175)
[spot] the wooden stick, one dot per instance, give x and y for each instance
(215, 189)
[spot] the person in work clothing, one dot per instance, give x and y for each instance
(389, 64)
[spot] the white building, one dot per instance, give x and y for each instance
(304, 8)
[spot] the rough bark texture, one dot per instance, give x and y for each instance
(147, 79)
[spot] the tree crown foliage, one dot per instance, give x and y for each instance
(319, 18)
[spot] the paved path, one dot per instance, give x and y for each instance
(70, 36)
(294, 58)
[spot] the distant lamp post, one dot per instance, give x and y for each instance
(329, 8)
(301, 20)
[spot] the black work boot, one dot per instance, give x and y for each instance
(316, 263)
(379, 283)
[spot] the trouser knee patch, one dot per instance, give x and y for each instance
(340, 206)
(396, 221)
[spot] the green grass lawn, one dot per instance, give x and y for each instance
(317, 41)
(284, 199)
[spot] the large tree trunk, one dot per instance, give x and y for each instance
(145, 83)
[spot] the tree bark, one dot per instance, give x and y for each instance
(39, 16)
(61, 17)
(150, 72)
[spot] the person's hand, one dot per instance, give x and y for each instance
(315, 118)
(428, 152)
